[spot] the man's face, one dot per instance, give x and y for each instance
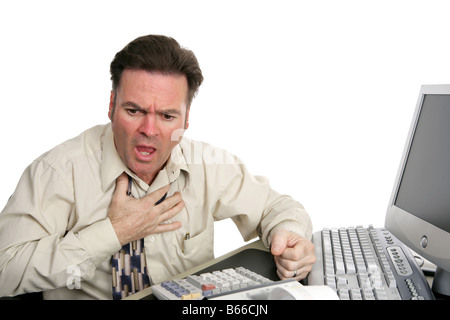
(148, 108)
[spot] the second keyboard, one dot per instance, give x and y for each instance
(368, 264)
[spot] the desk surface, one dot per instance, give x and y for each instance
(241, 257)
(244, 256)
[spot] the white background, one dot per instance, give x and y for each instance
(315, 95)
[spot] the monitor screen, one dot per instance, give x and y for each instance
(419, 210)
(424, 188)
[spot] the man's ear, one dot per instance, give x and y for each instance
(112, 102)
(186, 120)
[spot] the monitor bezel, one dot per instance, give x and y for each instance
(426, 239)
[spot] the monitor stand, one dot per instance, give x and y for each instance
(441, 283)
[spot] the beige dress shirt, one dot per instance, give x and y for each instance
(56, 237)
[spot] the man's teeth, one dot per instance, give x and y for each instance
(145, 153)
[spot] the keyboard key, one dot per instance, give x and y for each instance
(356, 294)
(380, 294)
(344, 294)
(207, 286)
(368, 294)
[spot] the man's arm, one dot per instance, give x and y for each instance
(258, 210)
(37, 245)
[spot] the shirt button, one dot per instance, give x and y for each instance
(151, 238)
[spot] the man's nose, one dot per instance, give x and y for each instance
(149, 126)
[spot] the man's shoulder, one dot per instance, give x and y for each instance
(86, 144)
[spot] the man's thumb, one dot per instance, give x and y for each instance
(121, 184)
(279, 242)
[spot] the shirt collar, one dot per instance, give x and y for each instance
(112, 166)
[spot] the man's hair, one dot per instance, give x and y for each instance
(157, 53)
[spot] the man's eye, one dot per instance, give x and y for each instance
(132, 112)
(167, 116)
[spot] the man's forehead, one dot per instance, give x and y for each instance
(167, 86)
(154, 76)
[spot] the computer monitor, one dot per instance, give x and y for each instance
(419, 209)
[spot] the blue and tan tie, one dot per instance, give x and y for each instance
(130, 273)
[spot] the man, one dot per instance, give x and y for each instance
(139, 178)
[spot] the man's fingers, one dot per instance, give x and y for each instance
(173, 206)
(169, 202)
(296, 261)
(166, 215)
(157, 196)
(293, 254)
(296, 273)
(165, 210)
(166, 227)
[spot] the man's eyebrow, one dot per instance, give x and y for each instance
(161, 111)
(133, 105)
(170, 111)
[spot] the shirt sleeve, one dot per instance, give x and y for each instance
(37, 245)
(255, 207)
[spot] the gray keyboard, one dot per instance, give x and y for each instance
(367, 264)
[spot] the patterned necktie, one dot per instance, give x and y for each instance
(129, 270)
(129, 267)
